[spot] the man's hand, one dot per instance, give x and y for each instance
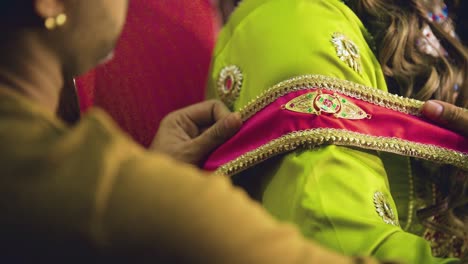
(191, 133)
(448, 115)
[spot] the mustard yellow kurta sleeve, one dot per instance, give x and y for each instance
(88, 193)
(339, 197)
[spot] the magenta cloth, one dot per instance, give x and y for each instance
(273, 122)
(161, 64)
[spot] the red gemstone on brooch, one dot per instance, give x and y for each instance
(318, 102)
(228, 83)
(327, 103)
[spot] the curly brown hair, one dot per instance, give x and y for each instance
(396, 26)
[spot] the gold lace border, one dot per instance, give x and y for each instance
(351, 89)
(310, 139)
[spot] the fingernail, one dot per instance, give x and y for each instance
(433, 110)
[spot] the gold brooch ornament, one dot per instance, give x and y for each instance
(229, 84)
(318, 102)
(384, 209)
(347, 51)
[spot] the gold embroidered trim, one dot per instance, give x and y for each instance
(384, 209)
(411, 198)
(351, 89)
(444, 245)
(316, 103)
(310, 139)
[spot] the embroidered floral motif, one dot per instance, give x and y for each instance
(444, 245)
(438, 14)
(229, 84)
(318, 102)
(328, 103)
(347, 51)
(429, 44)
(384, 209)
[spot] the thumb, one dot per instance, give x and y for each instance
(448, 115)
(218, 133)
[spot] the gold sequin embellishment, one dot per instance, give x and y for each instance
(318, 102)
(229, 84)
(384, 209)
(347, 51)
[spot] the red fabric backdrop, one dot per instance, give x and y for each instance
(161, 64)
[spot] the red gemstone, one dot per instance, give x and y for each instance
(328, 103)
(228, 83)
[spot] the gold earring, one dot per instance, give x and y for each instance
(53, 22)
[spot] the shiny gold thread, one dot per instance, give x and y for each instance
(351, 89)
(314, 138)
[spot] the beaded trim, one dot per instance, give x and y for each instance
(354, 90)
(409, 220)
(310, 139)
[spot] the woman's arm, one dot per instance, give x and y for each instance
(340, 197)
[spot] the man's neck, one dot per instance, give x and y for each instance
(30, 69)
